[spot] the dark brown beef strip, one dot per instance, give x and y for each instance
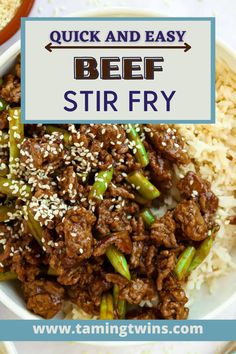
(68, 184)
(42, 153)
(116, 279)
(77, 230)
(3, 120)
(173, 300)
(160, 170)
(113, 216)
(81, 297)
(143, 313)
(137, 290)
(165, 265)
(163, 231)
(168, 142)
(192, 224)
(194, 186)
(43, 297)
(120, 239)
(11, 90)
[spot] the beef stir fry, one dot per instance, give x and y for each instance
(81, 221)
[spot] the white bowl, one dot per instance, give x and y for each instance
(8, 347)
(206, 305)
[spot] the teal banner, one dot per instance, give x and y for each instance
(70, 330)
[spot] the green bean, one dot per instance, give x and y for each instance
(34, 227)
(13, 275)
(147, 217)
(141, 153)
(143, 185)
(100, 185)
(8, 276)
(184, 262)
(66, 135)
(4, 170)
(118, 260)
(106, 307)
(4, 138)
(16, 136)
(139, 199)
(5, 211)
(201, 253)
(15, 188)
(120, 305)
(204, 249)
(3, 104)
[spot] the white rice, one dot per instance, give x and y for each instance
(212, 149)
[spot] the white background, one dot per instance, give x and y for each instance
(225, 13)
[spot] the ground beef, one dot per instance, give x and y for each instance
(163, 231)
(193, 186)
(165, 265)
(82, 299)
(151, 260)
(97, 288)
(115, 191)
(136, 254)
(116, 279)
(168, 142)
(77, 230)
(43, 297)
(113, 216)
(143, 313)
(173, 300)
(68, 184)
(3, 120)
(160, 170)
(192, 224)
(137, 290)
(11, 90)
(42, 153)
(120, 239)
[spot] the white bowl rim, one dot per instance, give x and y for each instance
(9, 347)
(110, 11)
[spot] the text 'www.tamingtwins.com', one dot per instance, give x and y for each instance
(118, 330)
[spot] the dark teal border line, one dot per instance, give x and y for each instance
(211, 330)
(212, 119)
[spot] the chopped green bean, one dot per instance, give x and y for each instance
(184, 262)
(147, 216)
(100, 185)
(120, 305)
(118, 260)
(4, 170)
(139, 199)
(141, 153)
(5, 212)
(8, 276)
(16, 136)
(4, 138)
(143, 185)
(3, 104)
(201, 253)
(106, 307)
(35, 227)
(15, 188)
(66, 134)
